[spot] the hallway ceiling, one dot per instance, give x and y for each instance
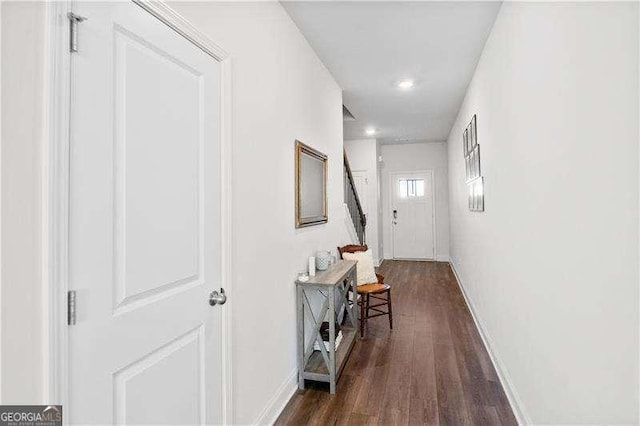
(370, 46)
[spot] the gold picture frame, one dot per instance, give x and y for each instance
(310, 186)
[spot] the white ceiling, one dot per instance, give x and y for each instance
(370, 46)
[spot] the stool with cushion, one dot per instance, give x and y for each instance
(370, 285)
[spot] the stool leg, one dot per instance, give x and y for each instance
(367, 306)
(362, 319)
(390, 311)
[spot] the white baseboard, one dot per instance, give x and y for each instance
(438, 258)
(279, 400)
(505, 381)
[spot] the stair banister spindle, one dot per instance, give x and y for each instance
(353, 202)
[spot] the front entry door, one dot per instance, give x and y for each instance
(145, 242)
(412, 215)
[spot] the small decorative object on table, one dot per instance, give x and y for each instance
(322, 260)
(312, 266)
(303, 277)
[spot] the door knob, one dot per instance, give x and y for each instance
(216, 298)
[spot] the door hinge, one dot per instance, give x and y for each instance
(71, 307)
(73, 30)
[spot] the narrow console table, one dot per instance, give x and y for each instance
(334, 284)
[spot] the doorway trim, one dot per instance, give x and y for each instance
(433, 211)
(56, 191)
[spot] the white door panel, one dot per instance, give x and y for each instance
(144, 222)
(412, 222)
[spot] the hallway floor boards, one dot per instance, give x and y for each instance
(431, 369)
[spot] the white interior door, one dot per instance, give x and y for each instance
(144, 222)
(412, 215)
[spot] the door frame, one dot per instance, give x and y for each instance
(56, 193)
(392, 176)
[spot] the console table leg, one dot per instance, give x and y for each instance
(361, 316)
(300, 332)
(332, 341)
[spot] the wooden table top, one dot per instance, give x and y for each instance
(333, 275)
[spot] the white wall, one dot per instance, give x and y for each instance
(363, 157)
(551, 266)
(412, 157)
(23, 310)
(281, 92)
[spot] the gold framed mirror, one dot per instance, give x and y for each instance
(311, 186)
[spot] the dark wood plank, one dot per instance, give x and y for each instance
(431, 369)
(308, 408)
(340, 403)
(397, 395)
(452, 408)
(423, 408)
(374, 381)
(356, 419)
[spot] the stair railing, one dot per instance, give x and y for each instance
(352, 201)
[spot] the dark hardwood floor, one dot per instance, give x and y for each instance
(431, 369)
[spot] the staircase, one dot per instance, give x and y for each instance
(352, 202)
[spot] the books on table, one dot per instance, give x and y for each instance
(316, 346)
(324, 334)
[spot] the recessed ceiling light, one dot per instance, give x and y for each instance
(405, 84)
(370, 131)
